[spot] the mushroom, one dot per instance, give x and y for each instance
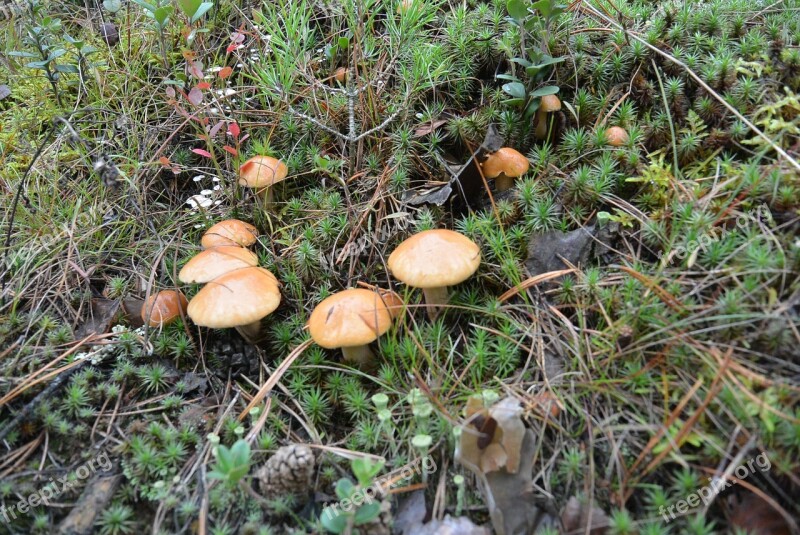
(239, 299)
(261, 173)
(350, 320)
(616, 136)
(230, 232)
(504, 166)
(549, 104)
(163, 308)
(340, 75)
(433, 260)
(215, 261)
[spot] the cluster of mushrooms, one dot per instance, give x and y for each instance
(508, 164)
(239, 294)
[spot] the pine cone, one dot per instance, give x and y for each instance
(381, 524)
(288, 471)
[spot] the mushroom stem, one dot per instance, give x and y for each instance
(268, 197)
(360, 355)
(541, 125)
(250, 332)
(435, 298)
(503, 182)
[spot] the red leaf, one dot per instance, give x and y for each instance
(202, 152)
(231, 48)
(234, 130)
(203, 85)
(165, 161)
(170, 92)
(231, 150)
(245, 137)
(225, 72)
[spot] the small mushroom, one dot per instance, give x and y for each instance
(350, 320)
(504, 166)
(261, 173)
(616, 136)
(164, 308)
(239, 299)
(433, 260)
(549, 104)
(230, 232)
(340, 75)
(215, 261)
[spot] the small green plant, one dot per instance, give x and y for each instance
(342, 517)
(232, 463)
(160, 12)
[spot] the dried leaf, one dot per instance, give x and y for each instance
(411, 513)
(577, 516)
(450, 526)
(195, 96)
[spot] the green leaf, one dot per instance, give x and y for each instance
(112, 6)
(344, 43)
(202, 10)
(22, 54)
(517, 9)
(365, 469)
(514, 102)
(546, 90)
(515, 89)
(69, 69)
(333, 520)
(55, 54)
(367, 512)
(241, 452)
(531, 109)
(162, 14)
(344, 489)
(509, 77)
(148, 6)
(189, 7)
(37, 65)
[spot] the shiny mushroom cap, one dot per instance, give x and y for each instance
(215, 261)
(230, 232)
(506, 161)
(236, 298)
(616, 136)
(262, 172)
(349, 318)
(164, 307)
(550, 103)
(435, 258)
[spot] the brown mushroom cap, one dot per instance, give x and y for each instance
(616, 136)
(506, 161)
(550, 103)
(164, 307)
(262, 172)
(353, 317)
(215, 261)
(435, 258)
(236, 298)
(230, 232)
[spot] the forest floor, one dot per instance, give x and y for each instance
(625, 359)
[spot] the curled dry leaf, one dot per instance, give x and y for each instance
(493, 439)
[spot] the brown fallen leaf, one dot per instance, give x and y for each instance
(577, 515)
